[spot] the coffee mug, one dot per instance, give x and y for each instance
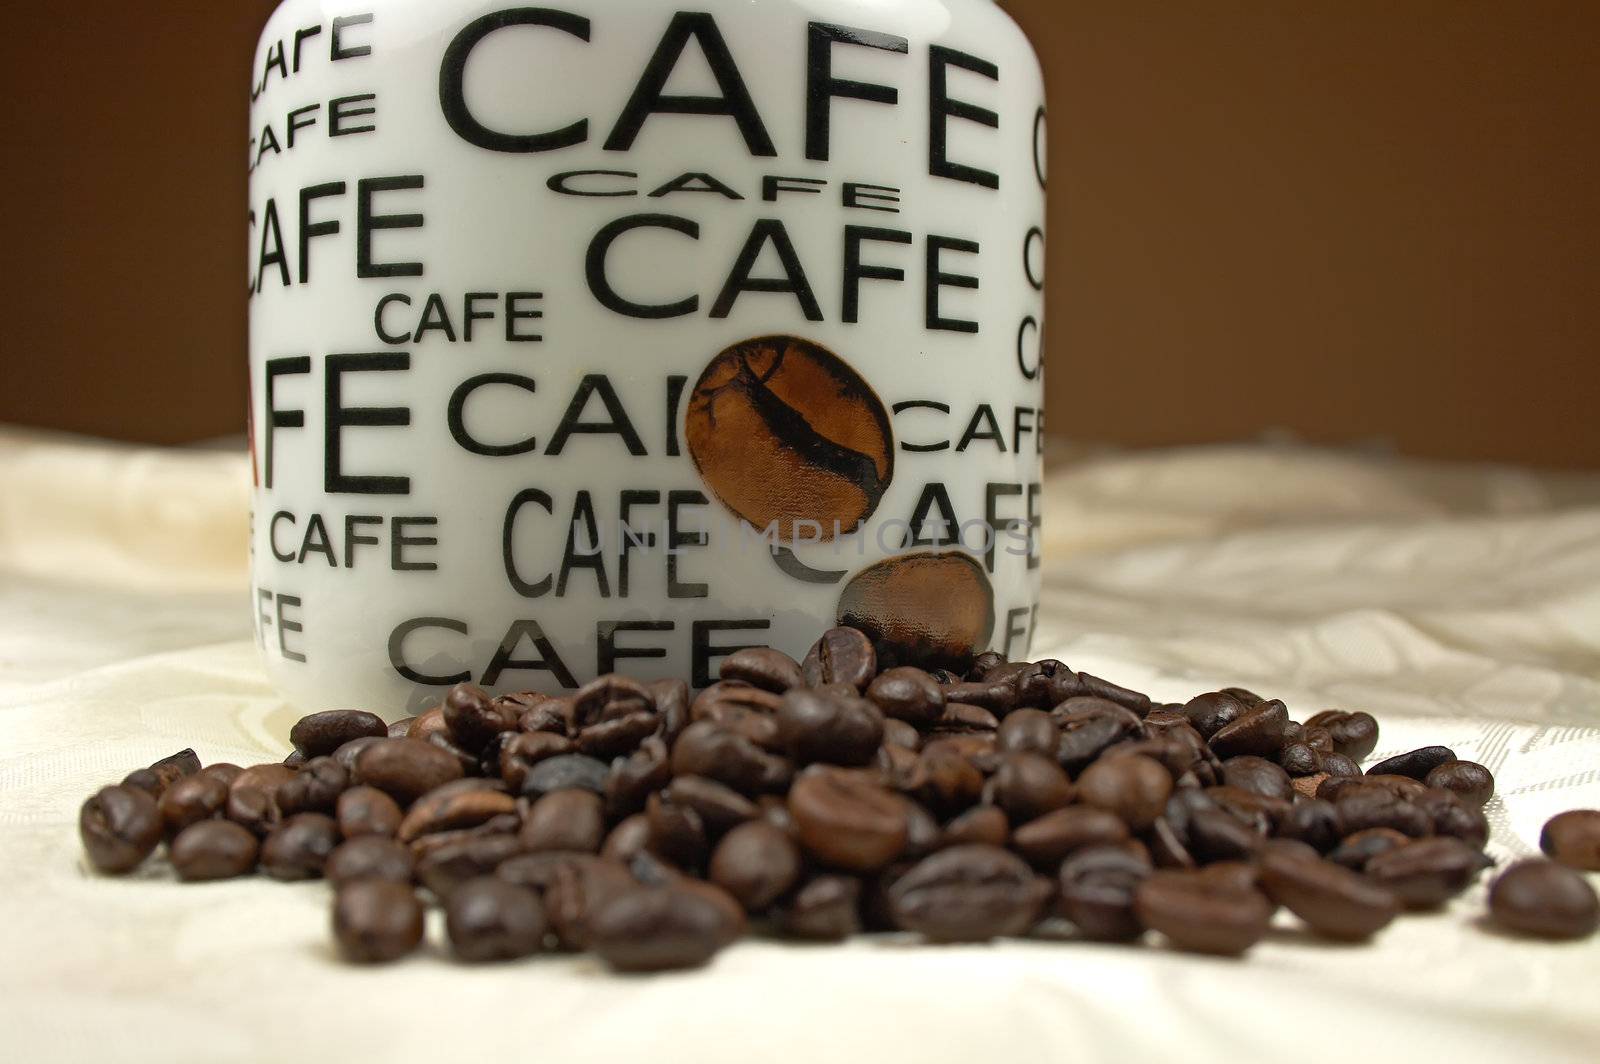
(614, 336)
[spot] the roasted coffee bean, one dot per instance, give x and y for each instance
(1258, 776)
(1332, 900)
(617, 736)
(320, 734)
(762, 667)
(1545, 899)
(1098, 885)
(347, 753)
(909, 694)
(676, 832)
(1413, 764)
(899, 733)
(1262, 813)
(1210, 713)
(213, 849)
(429, 722)
(1201, 915)
(1127, 698)
(1259, 731)
(1030, 730)
(609, 697)
(1088, 728)
(847, 822)
(1340, 766)
(720, 807)
(1049, 839)
(968, 893)
(253, 796)
(489, 919)
(706, 749)
(552, 716)
(842, 655)
(756, 863)
(824, 909)
(1449, 815)
(671, 698)
(1468, 780)
(569, 819)
(314, 789)
(459, 804)
(950, 782)
(450, 858)
(1217, 836)
(963, 717)
(652, 929)
(474, 716)
(525, 750)
(155, 779)
(982, 824)
(1428, 872)
(367, 811)
(1169, 846)
(225, 771)
(369, 857)
(1313, 822)
(468, 760)
(1134, 788)
(579, 887)
(191, 800)
(997, 698)
(1369, 808)
(628, 839)
(1573, 838)
(398, 729)
(1028, 785)
(631, 779)
(838, 729)
(405, 769)
(1233, 876)
(299, 847)
(566, 772)
(375, 921)
(1356, 850)
(1299, 759)
(1355, 735)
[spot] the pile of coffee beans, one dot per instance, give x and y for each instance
(815, 800)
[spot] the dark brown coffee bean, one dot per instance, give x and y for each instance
(1134, 701)
(1573, 838)
(569, 820)
(450, 858)
(720, 807)
(1133, 788)
(1259, 731)
(552, 716)
(190, 800)
(1048, 840)
(253, 796)
(1299, 759)
(1428, 872)
(965, 717)
(707, 749)
(525, 750)
(1098, 885)
(1258, 776)
(314, 789)
(1413, 764)
(579, 887)
(677, 834)
(653, 929)
(225, 771)
(628, 839)
(909, 694)
(299, 847)
(1545, 899)
(1332, 900)
(1356, 850)
(347, 753)
(320, 734)
(463, 803)
(837, 729)
(1338, 765)
(1313, 822)
(1369, 808)
(617, 736)
(474, 717)
(1088, 728)
(566, 772)
(671, 698)
(968, 894)
(1028, 785)
(213, 849)
(1210, 713)
(1214, 835)
(842, 655)
(609, 697)
(375, 921)
(1030, 730)
(367, 811)
(756, 863)
(1451, 816)
(762, 667)
(369, 857)
(899, 733)
(1201, 915)
(1468, 780)
(824, 909)
(429, 722)
(405, 769)
(997, 698)
(981, 825)
(489, 919)
(1355, 735)
(950, 782)
(398, 729)
(847, 822)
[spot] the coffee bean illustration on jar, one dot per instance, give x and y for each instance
(784, 431)
(922, 608)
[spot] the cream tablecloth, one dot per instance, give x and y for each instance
(1460, 604)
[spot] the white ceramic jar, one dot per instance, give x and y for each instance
(614, 334)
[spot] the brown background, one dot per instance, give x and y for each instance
(1354, 219)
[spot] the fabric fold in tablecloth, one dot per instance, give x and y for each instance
(1461, 604)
